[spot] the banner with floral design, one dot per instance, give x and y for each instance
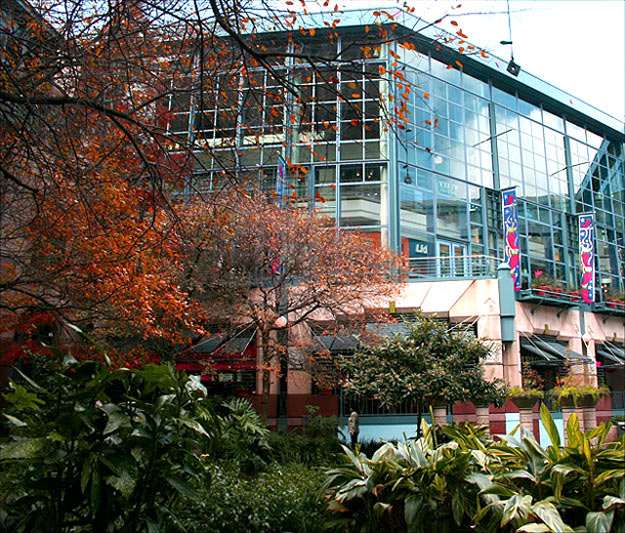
(511, 252)
(587, 256)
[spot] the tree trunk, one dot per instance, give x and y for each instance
(265, 382)
(419, 417)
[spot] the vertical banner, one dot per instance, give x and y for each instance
(280, 179)
(587, 256)
(511, 252)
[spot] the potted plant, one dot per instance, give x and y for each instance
(543, 282)
(577, 392)
(614, 299)
(574, 295)
(526, 396)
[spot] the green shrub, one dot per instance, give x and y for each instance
(96, 449)
(101, 449)
(284, 498)
(291, 448)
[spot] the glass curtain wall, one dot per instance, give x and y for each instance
(467, 140)
(461, 141)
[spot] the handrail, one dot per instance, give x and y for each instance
(452, 267)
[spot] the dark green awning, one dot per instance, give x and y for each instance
(337, 343)
(530, 345)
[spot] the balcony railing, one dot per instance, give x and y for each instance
(452, 267)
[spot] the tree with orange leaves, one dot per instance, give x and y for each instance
(277, 268)
(85, 163)
(92, 165)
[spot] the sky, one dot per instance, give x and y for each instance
(578, 46)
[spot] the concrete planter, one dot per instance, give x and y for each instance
(567, 411)
(589, 411)
(440, 414)
(482, 417)
(526, 415)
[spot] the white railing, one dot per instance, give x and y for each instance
(452, 267)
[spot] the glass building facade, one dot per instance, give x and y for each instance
(388, 140)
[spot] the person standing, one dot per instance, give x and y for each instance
(353, 426)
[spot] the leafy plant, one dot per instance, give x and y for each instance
(102, 449)
(577, 388)
(528, 393)
(477, 484)
(416, 485)
(543, 279)
(293, 449)
(284, 498)
(579, 486)
(319, 425)
(577, 395)
(239, 433)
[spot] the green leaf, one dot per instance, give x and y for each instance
(548, 513)
(611, 501)
(412, 508)
(573, 433)
(183, 488)
(22, 398)
(599, 522)
(24, 449)
(194, 425)
(481, 480)
(337, 507)
(116, 418)
(550, 427)
(520, 474)
(15, 421)
(516, 508)
(610, 474)
(457, 508)
(535, 528)
(124, 483)
(380, 507)
(85, 475)
(96, 490)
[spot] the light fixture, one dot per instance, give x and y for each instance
(407, 179)
(513, 68)
(438, 159)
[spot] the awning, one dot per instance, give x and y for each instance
(615, 349)
(236, 345)
(560, 350)
(529, 344)
(208, 345)
(611, 357)
(387, 329)
(336, 343)
(612, 352)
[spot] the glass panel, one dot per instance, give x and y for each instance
(416, 209)
(351, 173)
(451, 218)
(361, 205)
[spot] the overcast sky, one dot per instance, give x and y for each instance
(578, 46)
